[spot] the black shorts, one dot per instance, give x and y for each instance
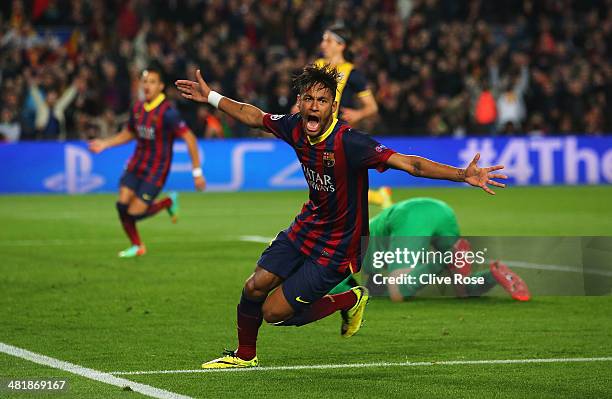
(144, 190)
(305, 281)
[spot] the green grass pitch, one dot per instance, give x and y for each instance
(65, 294)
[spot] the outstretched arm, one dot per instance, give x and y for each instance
(199, 91)
(98, 145)
(423, 167)
(473, 175)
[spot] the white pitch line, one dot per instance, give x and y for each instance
(92, 374)
(259, 239)
(376, 364)
(558, 268)
(89, 242)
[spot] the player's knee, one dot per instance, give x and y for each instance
(137, 215)
(255, 289)
(273, 315)
(250, 289)
(121, 208)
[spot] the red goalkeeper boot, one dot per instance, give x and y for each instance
(511, 281)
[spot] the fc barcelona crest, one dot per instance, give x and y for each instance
(328, 159)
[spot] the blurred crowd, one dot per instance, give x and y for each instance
(69, 69)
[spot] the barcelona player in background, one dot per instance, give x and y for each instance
(323, 244)
(154, 123)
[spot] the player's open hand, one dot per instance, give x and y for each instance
(482, 177)
(200, 183)
(96, 146)
(196, 91)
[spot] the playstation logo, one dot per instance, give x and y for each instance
(77, 176)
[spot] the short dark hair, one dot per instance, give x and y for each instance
(325, 75)
(158, 70)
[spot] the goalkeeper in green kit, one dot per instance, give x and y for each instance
(419, 225)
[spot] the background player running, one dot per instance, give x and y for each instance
(154, 123)
(323, 244)
(428, 223)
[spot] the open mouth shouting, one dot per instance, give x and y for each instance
(313, 125)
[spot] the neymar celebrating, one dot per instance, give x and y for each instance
(323, 244)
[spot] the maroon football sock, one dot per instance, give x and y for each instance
(129, 224)
(158, 206)
(249, 318)
(323, 308)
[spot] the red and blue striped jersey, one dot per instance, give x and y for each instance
(330, 226)
(155, 131)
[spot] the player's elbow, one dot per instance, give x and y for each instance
(405, 163)
(255, 124)
(412, 165)
(370, 107)
(189, 137)
(373, 110)
(256, 120)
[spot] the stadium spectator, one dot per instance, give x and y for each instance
(511, 104)
(50, 108)
(209, 123)
(485, 111)
(10, 129)
(429, 62)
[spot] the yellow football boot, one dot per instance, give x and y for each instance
(229, 360)
(353, 318)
